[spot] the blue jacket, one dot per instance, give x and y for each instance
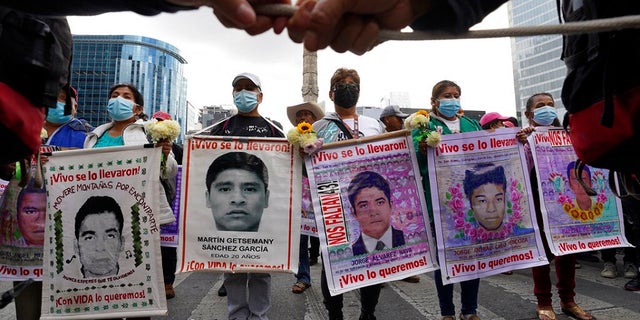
(69, 135)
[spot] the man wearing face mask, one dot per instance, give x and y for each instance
(247, 95)
(65, 130)
(248, 294)
(345, 124)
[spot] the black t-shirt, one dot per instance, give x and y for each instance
(247, 127)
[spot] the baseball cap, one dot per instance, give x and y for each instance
(161, 115)
(246, 75)
(311, 106)
(393, 110)
(488, 117)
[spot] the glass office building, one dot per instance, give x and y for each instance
(536, 60)
(153, 66)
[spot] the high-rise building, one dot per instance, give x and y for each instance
(536, 60)
(210, 115)
(153, 66)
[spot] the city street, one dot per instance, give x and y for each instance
(507, 297)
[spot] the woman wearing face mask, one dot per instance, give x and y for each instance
(125, 102)
(445, 100)
(65, 130)
(540, 111)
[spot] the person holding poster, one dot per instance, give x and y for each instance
(540, 111)
(308, 112)
(345, 124)
(248, 294)
(444, 117)
(125, 103)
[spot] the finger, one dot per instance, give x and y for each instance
(262, 24)
(235, 13)
(367, 39)
(299, 22)
(279, 24)
(327, 17)
(344, 39)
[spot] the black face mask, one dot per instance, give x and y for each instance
(346, 94)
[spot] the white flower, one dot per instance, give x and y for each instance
(162, 130)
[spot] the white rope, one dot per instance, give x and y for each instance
(590, 26)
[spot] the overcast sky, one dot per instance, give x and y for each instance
(215, 55)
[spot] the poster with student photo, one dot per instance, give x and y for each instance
(23, 202)
(483, 212)
(241, 205)
(574, 220)
(102, 240)
(369, 208)
(169, 232)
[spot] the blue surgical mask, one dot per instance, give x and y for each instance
(120, 109)
(56, 115)
(245, 100)
(544, 116)
(449, 107)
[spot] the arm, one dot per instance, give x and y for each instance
(81, 7)
(456, 15)
(353, 25)
(232, 13)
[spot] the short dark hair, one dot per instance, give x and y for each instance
(237, 160)
(439, 88)
(137, 96)
(28, 190)
(367, 179)
(529, 106)
(98, 205)
(481, 174)
(342, 73)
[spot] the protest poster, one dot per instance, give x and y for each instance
(102, 241)
(308, 219)
(370, 211)
(574, 221)
(22, 220)
(483, 211)
(169, 232)
(3, 185)
(241, 205)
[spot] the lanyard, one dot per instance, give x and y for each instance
(355, 132)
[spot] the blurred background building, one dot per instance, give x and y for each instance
(153, 66)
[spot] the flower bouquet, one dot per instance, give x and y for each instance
(159, 131)
(304, 136)
(420, 121)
